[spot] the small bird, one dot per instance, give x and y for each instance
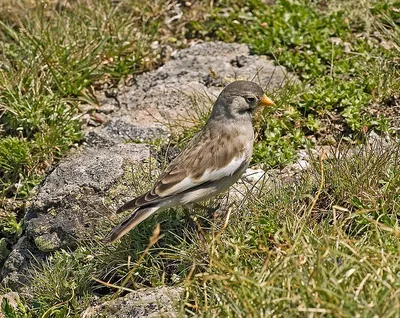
(209, 164)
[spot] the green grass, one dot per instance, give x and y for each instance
(52, 61)
(336, 52)
(326, 245)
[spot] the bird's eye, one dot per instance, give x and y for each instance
(250, 100)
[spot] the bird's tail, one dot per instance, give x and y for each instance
(137, 216)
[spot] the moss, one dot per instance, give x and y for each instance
(49, 242)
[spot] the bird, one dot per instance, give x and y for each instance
(209, 164)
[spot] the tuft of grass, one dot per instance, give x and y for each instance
(298, 254)
(61, 284)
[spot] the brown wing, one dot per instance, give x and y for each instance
(209, 148)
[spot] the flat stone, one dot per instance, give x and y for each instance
(69, 204)
(149, 303)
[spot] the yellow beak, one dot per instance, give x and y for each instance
(265, 101)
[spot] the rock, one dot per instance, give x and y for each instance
(377, 142)
(4, 251)
(13, 271)
(118, 131)
(189, 82)
(299, 166)
(153, 302)
(70, 204)
(252, 183)
(253, 175)
(255, 182)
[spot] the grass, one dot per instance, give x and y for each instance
(325, 245)
(334, 254)
(339, 56)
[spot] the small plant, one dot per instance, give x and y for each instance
(9, 311)
(10, 227)
(62, 284)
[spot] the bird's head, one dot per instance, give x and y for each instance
(239, 100)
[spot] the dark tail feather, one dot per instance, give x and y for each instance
(127, 206)
(129, 223)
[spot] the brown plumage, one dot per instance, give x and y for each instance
(212, 161)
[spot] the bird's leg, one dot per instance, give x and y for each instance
(210, 211)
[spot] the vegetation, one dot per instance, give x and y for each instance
(54, 56)
(346, 56)
(326, 245)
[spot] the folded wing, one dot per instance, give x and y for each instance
(188, 170)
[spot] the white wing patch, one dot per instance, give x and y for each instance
(228, 170)
(209, 175)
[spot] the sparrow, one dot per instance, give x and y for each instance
(209, 164)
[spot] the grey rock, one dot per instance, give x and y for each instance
(108, 108)
(379, 143)
(69, 203)
(13, 273)
(251, 184)
(296, 167)
(256, 181)
(152, 302)
(187, 83)
(253, 175)
(4, 251)
(118, 131)
(92, 170)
